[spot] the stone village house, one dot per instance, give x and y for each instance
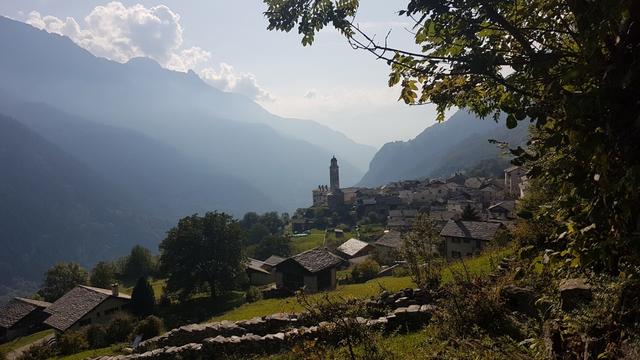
(86, 305)
(314, 270)
(389, 246)
(354, 248)
(20, 317)
(467, 238)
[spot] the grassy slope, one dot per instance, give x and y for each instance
(111, 350)
(25, 340)
(479, 266)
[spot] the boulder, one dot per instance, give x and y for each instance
(574, 292)
(519, 299)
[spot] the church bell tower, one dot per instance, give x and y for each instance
(334, 175)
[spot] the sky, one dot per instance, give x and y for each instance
(226, 42)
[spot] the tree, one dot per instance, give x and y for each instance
(274, 245)
(257, 233)
(420, 246)
(103, 275)
(139, 263)
(469, 214)
(272, 221)
(203, 253)
(569, 67)
(143, 300)
(249, 220)
(60, 279)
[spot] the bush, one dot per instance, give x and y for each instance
(253, 294)
(72, 342)
(364, 271)
(97, 336)
(120, 328)
(149, 327)
(37, 352)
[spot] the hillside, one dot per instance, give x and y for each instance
(229, 132)
(160, 180)
(456, 144)
(56, 208)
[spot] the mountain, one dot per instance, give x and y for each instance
(282, 158)
(442, 149)
(54, 207)
(160, 180)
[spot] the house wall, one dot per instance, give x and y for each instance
(461, 247)
(258, 278)
(386, 255)
(102, 313)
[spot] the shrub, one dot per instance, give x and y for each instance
(120, 328)
(72, 342)
(97, 336)
(364, 271)
(149, 327)
(253, 294)
(38, 352)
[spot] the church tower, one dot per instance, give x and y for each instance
(334, 175)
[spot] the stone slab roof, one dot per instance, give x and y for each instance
(77, 303)
(479, 230)
(17, 309)
(316, 260)
(352, 246)
(256, 265)
(274, 260)
(392, 239)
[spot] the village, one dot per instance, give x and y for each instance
(471, 215)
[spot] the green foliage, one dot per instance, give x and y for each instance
(103, 275)
(120, 328)
(97, 336)
(139, 263)
(149, 327)
(203, 253)
(143, 301)
(274, 245)
(469, 214)
(60, 279)
(253, 294)
(38, 352)
(365, 271)
(71, 342)
(257, 233)
(570, 68)
(419, 251)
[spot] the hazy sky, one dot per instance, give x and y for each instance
(226, 42)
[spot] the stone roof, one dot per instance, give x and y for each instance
(274, 260)
(512, 168)
(256, 265)
(479, 230)
(77, 303)
(17, 309)
(315, 260)
(352, 246)
(392, 239)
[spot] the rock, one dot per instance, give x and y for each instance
(519, 299)
(527, 252)
(574, 292)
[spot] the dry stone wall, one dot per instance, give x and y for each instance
(406, 310)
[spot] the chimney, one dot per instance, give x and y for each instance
(115, 289)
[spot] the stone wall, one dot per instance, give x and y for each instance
(405, 310)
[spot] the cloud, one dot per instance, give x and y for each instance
(119, 33)
(311, 94)
(227, 79)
